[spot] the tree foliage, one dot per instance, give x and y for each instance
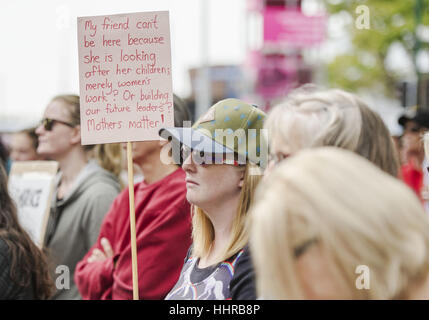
(391, 21)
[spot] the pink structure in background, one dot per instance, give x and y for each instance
(275, 61)
(276, 74)
(291, 27)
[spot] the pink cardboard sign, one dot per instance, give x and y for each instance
(125, 77)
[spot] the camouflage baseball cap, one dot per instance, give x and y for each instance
(231, 127)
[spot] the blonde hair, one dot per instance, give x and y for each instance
(355, 213)
(72, 102)
(202, 228)
(311, 117)
(375, 142)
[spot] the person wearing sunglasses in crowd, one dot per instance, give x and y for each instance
(312, 117)
(222, 155)
(329, 224)
(163, 229)
(83, 194)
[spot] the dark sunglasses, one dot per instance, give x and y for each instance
(414, 129)
(204, 158)
(48, 123)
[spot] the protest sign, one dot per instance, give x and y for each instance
(31, 185)
(125, 77)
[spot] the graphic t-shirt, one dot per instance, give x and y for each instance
(230, 279)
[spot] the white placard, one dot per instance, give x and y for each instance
(31, 187)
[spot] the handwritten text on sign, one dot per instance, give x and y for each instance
(125, 77)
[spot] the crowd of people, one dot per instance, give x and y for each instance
(284, 205)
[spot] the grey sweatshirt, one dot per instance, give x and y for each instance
(74, 224)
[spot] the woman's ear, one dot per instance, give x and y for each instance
(75, 137)
(241, 182)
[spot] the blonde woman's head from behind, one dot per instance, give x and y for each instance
(328, 224)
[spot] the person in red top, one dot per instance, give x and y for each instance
(163, 229)
(412, 150)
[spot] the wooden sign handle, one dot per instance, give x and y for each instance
(132, 221)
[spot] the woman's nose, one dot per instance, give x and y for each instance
(189, 164)
(39, 129)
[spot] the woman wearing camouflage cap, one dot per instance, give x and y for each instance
(223, 153)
